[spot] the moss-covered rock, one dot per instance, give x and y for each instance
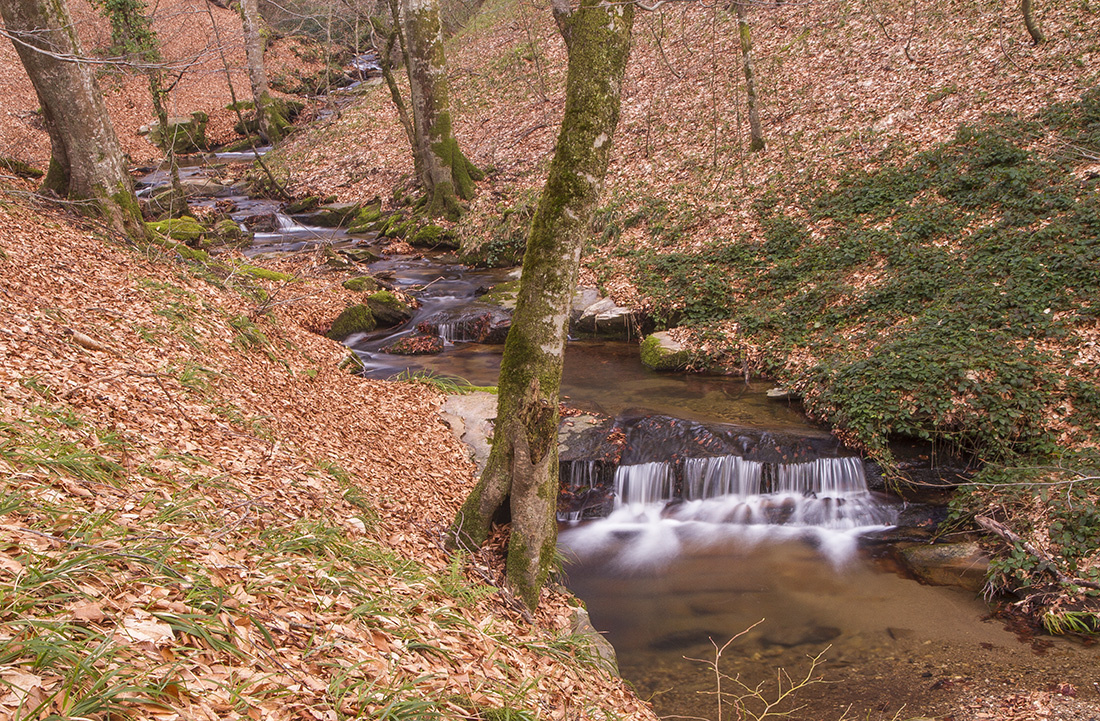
(334, 215)
(281, 113)
(368, 220)
(229, 232)
(183, 134)
(662, 353)
(433, 236)
(185, 229)
(356, 319)
(304, 205)
(362, 284)
(388, 309)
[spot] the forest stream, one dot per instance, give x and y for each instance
(761, 529)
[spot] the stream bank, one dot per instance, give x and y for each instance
(606, 378)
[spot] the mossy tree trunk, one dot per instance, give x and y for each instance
(1029, 20)
(86, 162)
(445, 173)
(523, 463)
(272, 124)
(755, 130)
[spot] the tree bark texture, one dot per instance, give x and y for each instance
(1029, 20)
(86, 162)
(272, 126)
(755, 130)
(523, 463)
(445, 173)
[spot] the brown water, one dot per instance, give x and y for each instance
(887, 643)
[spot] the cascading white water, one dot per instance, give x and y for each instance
(721, 476)
(643, 484)
(582, 474)
(826, 500)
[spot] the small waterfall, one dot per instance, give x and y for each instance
(721, 476)
(643, 484)
(827, 493)
(822, 477)
(460, 332)
(580, 478)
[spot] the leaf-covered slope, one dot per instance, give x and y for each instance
(201, 515)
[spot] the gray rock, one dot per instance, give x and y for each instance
(470, 418)
(582, 626)
(947, 564)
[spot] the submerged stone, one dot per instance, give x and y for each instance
(948, 564)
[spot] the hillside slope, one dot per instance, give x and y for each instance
(203, 516)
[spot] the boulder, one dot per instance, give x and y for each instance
(261, 222)
(388, 310)
(356, 319)
(361, 284)
(333, 215)
(947, 564)
(433, 236)
(470, 418)
(183, 134)
(606, 319)
(661, 353)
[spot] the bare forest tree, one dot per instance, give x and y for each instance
(1029, 20)
(444, 172)
(744, 31)
(272, 124)
(86, 161)
(523, 465)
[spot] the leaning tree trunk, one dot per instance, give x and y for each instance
(1029, 20)
(86, 162)
(755, 130)
(445, 173)
(272, 125)
(523, 463)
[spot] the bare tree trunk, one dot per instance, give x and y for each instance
(523, 463)
(1029, 20)
(755, 130)
(445, 173)
(385, 61)
(272, 125)
(86, 162)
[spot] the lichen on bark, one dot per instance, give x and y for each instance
(523, 462)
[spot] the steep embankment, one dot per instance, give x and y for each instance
(204, 516)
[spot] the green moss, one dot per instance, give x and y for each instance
(264, 273)
(356, 319)
(388, 309)
(185, 229)
(360, 284)
(433, 236)
(18, 167)
(656, 356)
